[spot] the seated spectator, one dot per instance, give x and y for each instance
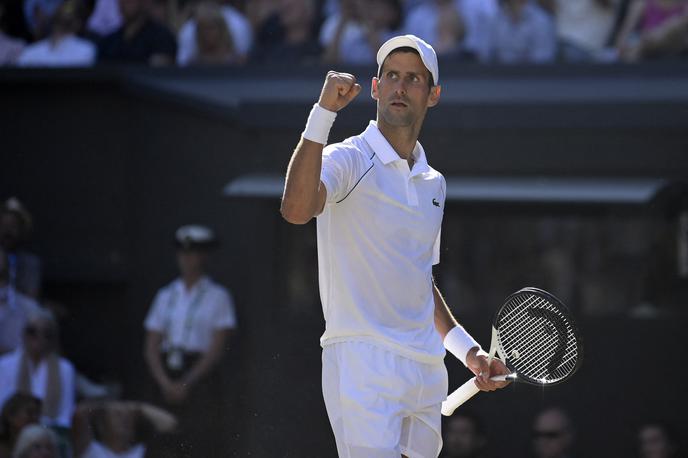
(105, 18)
(464, 436)
(62, 48)
(354, 35)
(214, 43)
(477, 16)
(657, 440)
(117, 429)
(239, 29)
(38, 15)
(36, 441)
(37, 369)
(290, 34)
(552, 434)
(16, 225)
(439, 23)
(584, 29)
(19, 411)
(15, 309)
(10, 47)
(521, 32)
(140, 39)
(654, 28)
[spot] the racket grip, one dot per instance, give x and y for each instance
(458, 397)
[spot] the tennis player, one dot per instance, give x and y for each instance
(379, 208)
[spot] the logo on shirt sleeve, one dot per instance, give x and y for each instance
(435, 203)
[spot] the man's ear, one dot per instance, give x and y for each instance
(373, 88)
(434, 98)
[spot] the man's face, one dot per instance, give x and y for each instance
(40, 338)
(190, 261)
(461, 438)
(654, 443)
(551, 435)
(402, 91)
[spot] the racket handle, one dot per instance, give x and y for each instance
(458, 397)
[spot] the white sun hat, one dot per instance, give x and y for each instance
(427, 53)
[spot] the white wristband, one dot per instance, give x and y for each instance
(458, 342)
(318, 125)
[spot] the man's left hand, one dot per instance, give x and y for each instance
(477, 363)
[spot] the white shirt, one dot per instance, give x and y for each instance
(585, 23)
(98, 450)
(188, 318)
(9, 371)
(70, 51)
(378, 238)
(239, 28)
(15, 309)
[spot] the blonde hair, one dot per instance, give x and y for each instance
(29, 436)
(53, 389)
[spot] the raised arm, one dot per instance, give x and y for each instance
(304, 195)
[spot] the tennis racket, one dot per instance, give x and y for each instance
(535, 337)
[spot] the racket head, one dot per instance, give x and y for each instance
(537, 338)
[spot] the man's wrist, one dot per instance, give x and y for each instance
(459, 342)
(319, 123)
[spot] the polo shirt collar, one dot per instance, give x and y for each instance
(386, 153)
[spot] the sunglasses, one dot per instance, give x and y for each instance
(547, 434)
(35, 331)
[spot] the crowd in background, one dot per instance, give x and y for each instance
(239, 32)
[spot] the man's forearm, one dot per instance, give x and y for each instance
(444, 320)
(302, 186)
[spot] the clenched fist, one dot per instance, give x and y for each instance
(339, 89)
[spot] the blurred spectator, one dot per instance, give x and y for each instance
(439, 23)
(117, 428)
(552, 434)
(354, 35)
(187, 327)
(15, 309)
(214, 43)
(19, 411)
(140, 39)
(239, 29)
(521, 32)
(16, 225)
(657, 440)
(105, 18)
(477, 16)
(62, 48)
(584, 29)
(38, 15)
(654, 28)
(36, 441)
(290, 34)
(464, 436)
(10, 47)
(37, 369)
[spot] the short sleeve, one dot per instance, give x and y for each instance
(436, 246)
(155, 320)
(336, 172)
(225, 315)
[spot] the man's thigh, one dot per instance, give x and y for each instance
(371, 396)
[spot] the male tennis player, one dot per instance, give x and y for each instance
(379, 208)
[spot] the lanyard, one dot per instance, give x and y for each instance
(190, 312)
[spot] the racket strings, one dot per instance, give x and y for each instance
(537, 338)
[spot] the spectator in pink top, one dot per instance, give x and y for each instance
(654, 29)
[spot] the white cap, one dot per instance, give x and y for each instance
(195, 236)
(427, 54)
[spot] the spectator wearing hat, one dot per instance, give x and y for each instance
(16, 225)
(187, 329)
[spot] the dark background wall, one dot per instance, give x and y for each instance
(110, 167)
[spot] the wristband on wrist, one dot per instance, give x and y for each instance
(318, 125)
(459, 342)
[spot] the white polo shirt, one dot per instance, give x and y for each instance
(188, 318)
(378, 238)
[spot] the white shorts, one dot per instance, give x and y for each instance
(381, 404)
